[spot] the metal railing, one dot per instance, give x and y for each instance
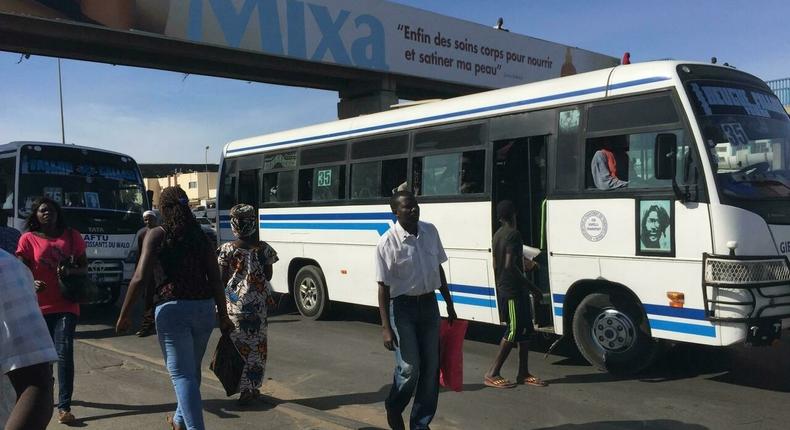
(781, 87)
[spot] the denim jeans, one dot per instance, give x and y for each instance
(415, 320)
(62, 326)
(183, 328)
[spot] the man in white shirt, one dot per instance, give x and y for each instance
(408, 271)
(26, 348)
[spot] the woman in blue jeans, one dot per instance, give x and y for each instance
(182, 265)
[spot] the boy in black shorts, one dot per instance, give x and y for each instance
(514, 308)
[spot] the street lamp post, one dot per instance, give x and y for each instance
(206, 171)
(60, 91)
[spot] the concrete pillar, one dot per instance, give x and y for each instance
(364, 98)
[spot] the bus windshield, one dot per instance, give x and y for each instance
(80, 179)
(747, 134)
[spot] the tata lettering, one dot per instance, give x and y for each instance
(367, 50)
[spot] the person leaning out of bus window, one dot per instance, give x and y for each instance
(604, 169)
(47, 243)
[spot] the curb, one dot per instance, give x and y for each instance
(210, 380)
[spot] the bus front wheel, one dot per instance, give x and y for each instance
(310, 293)
(613, 334)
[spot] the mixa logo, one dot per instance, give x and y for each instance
(367, 50)
(784, 247)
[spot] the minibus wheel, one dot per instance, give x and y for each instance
(613, 333)
(310, 294)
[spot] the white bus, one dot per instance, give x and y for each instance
(686, 251)
(101, 192)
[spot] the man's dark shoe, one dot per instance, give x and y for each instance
(395, 421)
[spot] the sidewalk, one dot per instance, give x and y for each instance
(120, 387)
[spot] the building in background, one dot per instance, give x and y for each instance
(781, 87)
(198, 181)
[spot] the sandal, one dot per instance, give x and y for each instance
(173, 424)
(497, 382)
(532, 380)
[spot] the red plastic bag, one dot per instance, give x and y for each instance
(451, 354)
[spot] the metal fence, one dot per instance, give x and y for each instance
(781, 87)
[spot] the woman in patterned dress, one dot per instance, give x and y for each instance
(246, 265)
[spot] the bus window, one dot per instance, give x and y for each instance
(249, 186)
(374, 179)
(323, 154)
(227, 186)
(322, 183)
(449, 174)
(447, 138)
(567, 171)
(380, 147)
(629, 160)
(279, 187)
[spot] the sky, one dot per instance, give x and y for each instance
(164, 117)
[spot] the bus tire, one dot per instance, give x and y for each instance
(310, 294)
(613, 333)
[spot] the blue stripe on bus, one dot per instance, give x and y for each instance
(378, 227)
(224, 224)
(559, 96)
(469, 289)
(662, 310)
(463, 300)
(679, 327)
(224, 217)
(674, 326)
(329, 216)
(668, 311)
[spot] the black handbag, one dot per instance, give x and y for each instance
(228, 365)
(77, 288)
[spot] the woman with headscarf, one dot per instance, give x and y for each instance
(180, 262)
(246, 267)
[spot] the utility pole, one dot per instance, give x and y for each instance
(60, 90)
(206, 171)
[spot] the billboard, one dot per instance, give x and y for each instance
(372, 35)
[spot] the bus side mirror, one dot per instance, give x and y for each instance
(666, 156)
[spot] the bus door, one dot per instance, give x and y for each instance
(520, 176)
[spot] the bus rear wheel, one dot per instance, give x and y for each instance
(310, 294)
(613, 334)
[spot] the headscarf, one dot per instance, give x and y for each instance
(243, 220)
(149, 213)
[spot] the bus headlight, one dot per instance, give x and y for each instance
(752, 271)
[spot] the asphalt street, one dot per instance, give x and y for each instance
(336, 373)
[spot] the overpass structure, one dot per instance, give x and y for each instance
(371, 52)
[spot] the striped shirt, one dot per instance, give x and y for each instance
(24, 337)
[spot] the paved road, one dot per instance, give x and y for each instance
(337, 373)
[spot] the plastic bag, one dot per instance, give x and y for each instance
(227, 365)
(451, 354)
